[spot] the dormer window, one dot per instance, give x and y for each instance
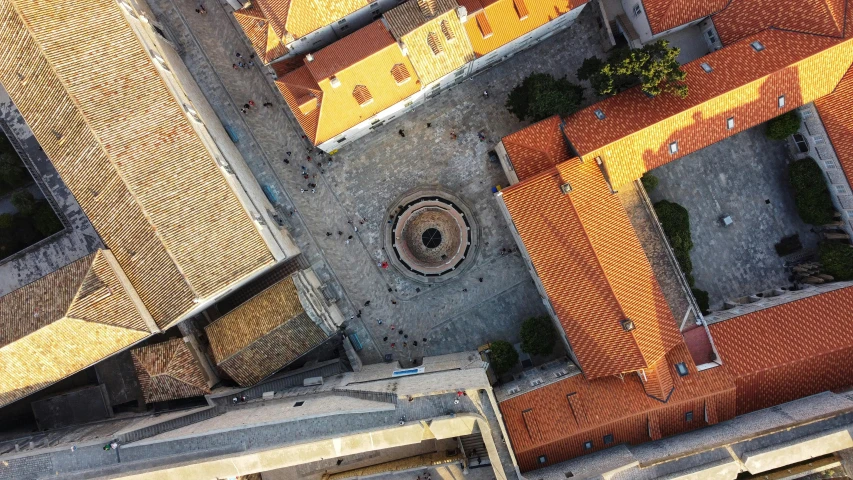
(521, 9)
(730, 123)
(362, 95)
(447, 31)
(434, 43)
(484, 26)
(673, 148)
(780, 102)
(400, 73)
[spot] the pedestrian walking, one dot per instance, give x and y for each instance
(402, 133)
(247, 106)
(285, 161)
(288, 153)
(243, 110)
(367, 303)
(234, 66)
(252, 56)
(251, 103)
(238, 54)
(453, 135)
(202, 9)
(340, 232)
(328, 234)
(313, 190)
(480, 279)
(486, 93)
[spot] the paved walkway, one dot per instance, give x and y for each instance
(364, 179)
(745, 176)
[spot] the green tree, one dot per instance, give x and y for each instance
(24, 201)
(675, 221)
(6, 220)
(12, 173)
(783, 126)
(654, 67)
(649, 181)
(837, 260)
(811, 193)
(589, 67)
(540, 96)
(45, 219)
(503, 356)
(537, 336)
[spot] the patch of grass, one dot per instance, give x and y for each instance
(811, 193)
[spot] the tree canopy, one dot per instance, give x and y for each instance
(537, 336)
(540, 96)
(503, 356)
(654, 67)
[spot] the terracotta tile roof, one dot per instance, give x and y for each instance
(789, 351)
(835, 112)
(266, 42)
(168, 371)
(119, 160)
(496, 22)
(64, 322)
(666, 14)
(358, 59)
(537, 148)
(637, 130)
(264, 334)
(593, 269)
(742, 18)
(436, 44)
(558, 419)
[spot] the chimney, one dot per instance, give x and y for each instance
(309, 58)
(462, 13)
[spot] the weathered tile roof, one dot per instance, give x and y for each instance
(264, 334)
(368, 58)
(505, 23)
(537, 148)
(556, 420)
(66, 321)
(742, 18)
(127, 151)
(789, 351)
(426, 34)
(593, 269)
(666, 14)
(836, 113)
(745, 84)
(168, 371)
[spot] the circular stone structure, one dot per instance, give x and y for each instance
(431, 235)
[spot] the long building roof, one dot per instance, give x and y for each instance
(127, 151)
(593, 269)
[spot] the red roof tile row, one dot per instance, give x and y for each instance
(836, 112)
(664, 15)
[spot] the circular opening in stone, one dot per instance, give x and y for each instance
(431, 238)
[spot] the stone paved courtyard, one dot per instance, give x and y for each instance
(736, 177)
(365, 178)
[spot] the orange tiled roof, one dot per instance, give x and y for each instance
(557, 419)
(367, 57)
(789, 351)
(504, 22)
(744, 84)
(593, 269)
(742, 18)
(537, 148)
(836, 112)
(666, 14)
(168, 371)
(264, 39)
(64, 322)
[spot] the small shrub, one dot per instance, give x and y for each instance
(589, 67)
(675, 221)
(649, 181)
(837, 260)
(45, 220)
(783, 126)
(24, 201)
(503, 356)
(788, 245)
(811, 193)
(701, 297)
(537, 336)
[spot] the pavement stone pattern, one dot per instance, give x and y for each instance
(60, 249)
(736, 177)
(364, 178)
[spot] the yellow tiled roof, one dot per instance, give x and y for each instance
(368, 57)
(265, 40)
(264, 334)
(127, 151)
(64, 322)
(505, 24)
(437, 44)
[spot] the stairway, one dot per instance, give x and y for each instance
(474, 449)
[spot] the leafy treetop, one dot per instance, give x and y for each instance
(654, 67)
